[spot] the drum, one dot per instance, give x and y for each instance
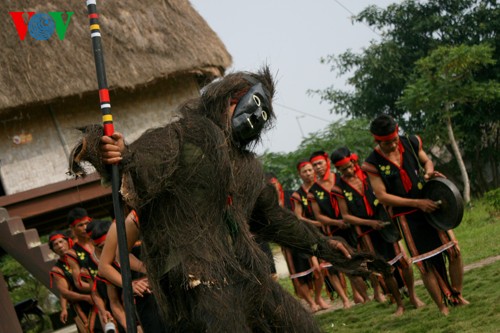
(451, 206)
(390, 232)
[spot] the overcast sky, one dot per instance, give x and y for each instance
(291, 36)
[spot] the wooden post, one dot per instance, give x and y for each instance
(8, 316)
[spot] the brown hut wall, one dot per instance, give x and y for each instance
(43, 161)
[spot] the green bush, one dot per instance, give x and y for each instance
(492, 198)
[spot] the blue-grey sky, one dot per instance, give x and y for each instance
(291, 36)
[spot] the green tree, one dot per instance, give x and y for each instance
(444, 83)
(409, 31)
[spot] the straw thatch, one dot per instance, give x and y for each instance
(143, 41)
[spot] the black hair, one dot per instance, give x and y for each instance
(269, 176)
(339, 154)
(383, 125)
(317, 153)
(98, 228)
(76, 213)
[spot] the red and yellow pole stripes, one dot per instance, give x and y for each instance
(95, 34)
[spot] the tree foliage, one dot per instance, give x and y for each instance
(410, 31)
(449, 76)
(443, 84)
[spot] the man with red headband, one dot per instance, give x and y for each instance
(393, 170)
(305, 270)
(326, 210)
(79, 256)
(60, 276)
(358, 206)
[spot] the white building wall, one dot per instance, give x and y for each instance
(43, 160)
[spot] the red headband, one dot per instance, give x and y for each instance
(317, 158)
(388, 136)
(56, 236)
(343, 161)
(100, 240)
(302, 164)
(76, 221)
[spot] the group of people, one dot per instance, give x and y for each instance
(203, 198)
(372, 207)
(87, 275)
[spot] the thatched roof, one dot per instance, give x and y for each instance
(143, 41)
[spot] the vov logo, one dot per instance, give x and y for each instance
(41, 26)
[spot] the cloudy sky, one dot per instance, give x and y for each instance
(291, 36)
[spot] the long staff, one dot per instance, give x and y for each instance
(107, 120)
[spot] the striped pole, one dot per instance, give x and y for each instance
(107, 120)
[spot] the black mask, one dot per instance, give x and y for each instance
(250, 114)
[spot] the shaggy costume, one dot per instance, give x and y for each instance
(200, 194)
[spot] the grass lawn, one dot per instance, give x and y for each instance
(482, 315)
(478, 234)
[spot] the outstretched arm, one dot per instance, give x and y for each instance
(388, 199)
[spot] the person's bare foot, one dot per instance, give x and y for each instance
(379, 297)
(462, 301)
(416, 302)
(444, 310)
(322, 304)
(399, 311)
(314, 307)
(358, 299)
(347, 304)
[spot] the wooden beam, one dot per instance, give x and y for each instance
(45, 208)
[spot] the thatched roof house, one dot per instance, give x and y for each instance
(156, 55)
(143, 41)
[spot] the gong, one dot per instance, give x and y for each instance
(451, 206)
